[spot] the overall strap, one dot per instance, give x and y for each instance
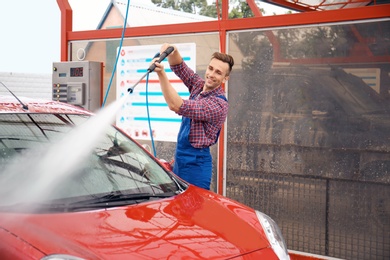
(224, 98)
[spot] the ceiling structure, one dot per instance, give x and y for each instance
(322, 5)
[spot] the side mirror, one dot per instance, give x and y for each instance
(167, 165)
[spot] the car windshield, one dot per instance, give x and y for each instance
(117, 164)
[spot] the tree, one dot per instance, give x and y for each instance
(188, 6)
(240, 8)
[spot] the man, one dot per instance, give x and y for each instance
(203, 113)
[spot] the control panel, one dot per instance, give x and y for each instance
(78, 83)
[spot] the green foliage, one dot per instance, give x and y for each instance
(188, 6)
(240, 9)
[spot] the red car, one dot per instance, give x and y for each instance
(72, 189)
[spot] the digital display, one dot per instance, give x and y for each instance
(76, 72)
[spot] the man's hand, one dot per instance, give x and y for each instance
(166, 46)
(159, 67)
(174, 58)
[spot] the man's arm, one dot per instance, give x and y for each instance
(172, 98)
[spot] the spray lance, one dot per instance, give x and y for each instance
(153, 66)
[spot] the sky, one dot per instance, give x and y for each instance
(30, 31)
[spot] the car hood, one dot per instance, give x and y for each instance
(181, 226)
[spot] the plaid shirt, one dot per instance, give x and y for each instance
(206, 110)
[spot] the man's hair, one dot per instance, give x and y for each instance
(225, 58)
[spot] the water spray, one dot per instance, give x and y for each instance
(153, 66)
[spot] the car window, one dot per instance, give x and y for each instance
(117, 164)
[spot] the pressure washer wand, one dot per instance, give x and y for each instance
(153, 66)
(131, 89)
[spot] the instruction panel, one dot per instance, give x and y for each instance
(146, 103)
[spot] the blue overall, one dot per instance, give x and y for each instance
(193, 165)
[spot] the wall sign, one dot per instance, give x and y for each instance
(133, 117)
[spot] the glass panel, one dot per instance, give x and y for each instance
(240, 9)
(145, 13)
(109, 14)
(308, 134)
(330, 4)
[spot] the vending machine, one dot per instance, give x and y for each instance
(78, 83)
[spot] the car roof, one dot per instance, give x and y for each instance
(34, 105)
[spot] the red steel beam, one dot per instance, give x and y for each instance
(66, 26)
(221, 141)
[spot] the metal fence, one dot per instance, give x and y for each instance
(331, 217)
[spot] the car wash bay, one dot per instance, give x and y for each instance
(306, 139)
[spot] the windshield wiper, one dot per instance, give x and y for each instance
(108, 200)
(114, 198)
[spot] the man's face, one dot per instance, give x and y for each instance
(216, 74)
